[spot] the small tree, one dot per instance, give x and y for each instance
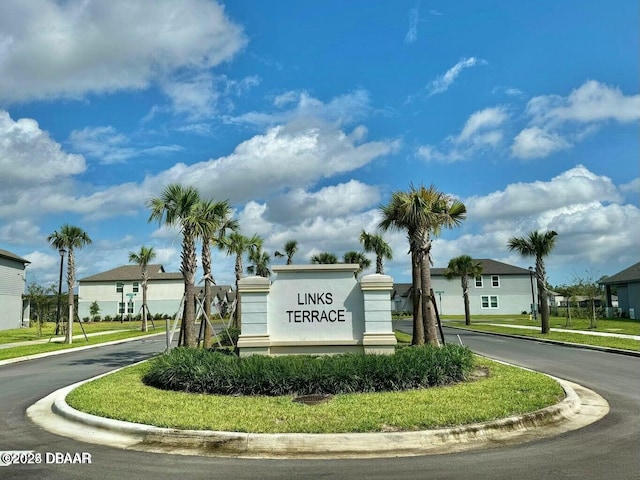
(94, 311)
(593, 292)
(41, 299)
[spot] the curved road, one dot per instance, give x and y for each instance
(607, 449)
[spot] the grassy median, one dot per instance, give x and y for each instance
(501, 391)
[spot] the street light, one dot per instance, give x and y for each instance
(534, 310)
(62, 252)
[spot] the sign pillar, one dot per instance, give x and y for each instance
(378, 329)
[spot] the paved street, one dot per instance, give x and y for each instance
(607, 449)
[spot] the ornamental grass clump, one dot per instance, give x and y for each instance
(203, 371)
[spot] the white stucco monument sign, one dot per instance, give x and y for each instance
(316, 309)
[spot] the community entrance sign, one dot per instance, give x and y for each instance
(316, 309)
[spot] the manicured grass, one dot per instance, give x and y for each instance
(31, 333)
(15, 352)
(507, 391)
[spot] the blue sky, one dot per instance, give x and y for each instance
(308, 115)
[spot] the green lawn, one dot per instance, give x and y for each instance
(506, 391)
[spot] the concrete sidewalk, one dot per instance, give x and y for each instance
(57, 339)
(566, 330)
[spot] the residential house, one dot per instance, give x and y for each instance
(627, 284)
(502, 289)
(13, 306)
(118, 292)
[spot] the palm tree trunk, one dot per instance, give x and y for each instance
(206, 267)
(428, 315)
(465, 295)
(145, 326)
(237, 317)
(544, 307)
(70, 282)
(189, 315)
(418, 327)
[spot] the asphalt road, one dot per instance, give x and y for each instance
(608, 449)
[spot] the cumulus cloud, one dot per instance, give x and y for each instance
(575, 186)
(53, 49)
(482, 130)
(556, 123)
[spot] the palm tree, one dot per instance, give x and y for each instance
(237, 244)
(70, 238)
(176, 206)
(214, 221)
(260, 260)
(359, 258)
(465, 268)
(538, 245)
(142, 258)
(324, 258)
(423, 213)
(376, 244)
(290, 248)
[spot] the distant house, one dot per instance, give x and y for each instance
(502, 289)
(118, 292)
(12, 286)
(627, 284)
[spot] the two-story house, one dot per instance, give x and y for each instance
(502, 289)
(12, 286)
(118, 292)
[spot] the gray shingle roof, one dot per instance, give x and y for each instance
(489, 267)
(630, 274)
(13, 256)
(132, 273)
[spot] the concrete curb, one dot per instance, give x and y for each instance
(618, 351)
(580, 407)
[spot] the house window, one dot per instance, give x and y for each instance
(479, 281)
(130, 307)
(136, 287)
(120, 308)
(495, 281)
(489, 301)
(119, 287)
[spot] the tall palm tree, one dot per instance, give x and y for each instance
(290, 248)
(260, 263)
(324, 258)
(376, 244)
(70, 238)
(359, 258)
(237, 244)
(142, 258)
(465, 268)
(423, 213)
(539, 245)
(214, 221)
(176, 206)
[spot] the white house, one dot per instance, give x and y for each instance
(12, 287)
(118, 292)
(502, 289)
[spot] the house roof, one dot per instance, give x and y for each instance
(489, 267)
(132, 273)
(630, 274)
(13, 256)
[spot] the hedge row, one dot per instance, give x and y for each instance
(204, 371)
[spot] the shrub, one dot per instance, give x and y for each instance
(107, 318)
(203, 371)
(229, 337)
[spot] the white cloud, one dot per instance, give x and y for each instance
(67, 49)
(343, 109)
(414, 18)
(482, 130)
(21, 231)
(109, 146)
(534, 142)
(632, 187)
(332, 201)
(557, 123)
(575, 186)
(443, 82)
